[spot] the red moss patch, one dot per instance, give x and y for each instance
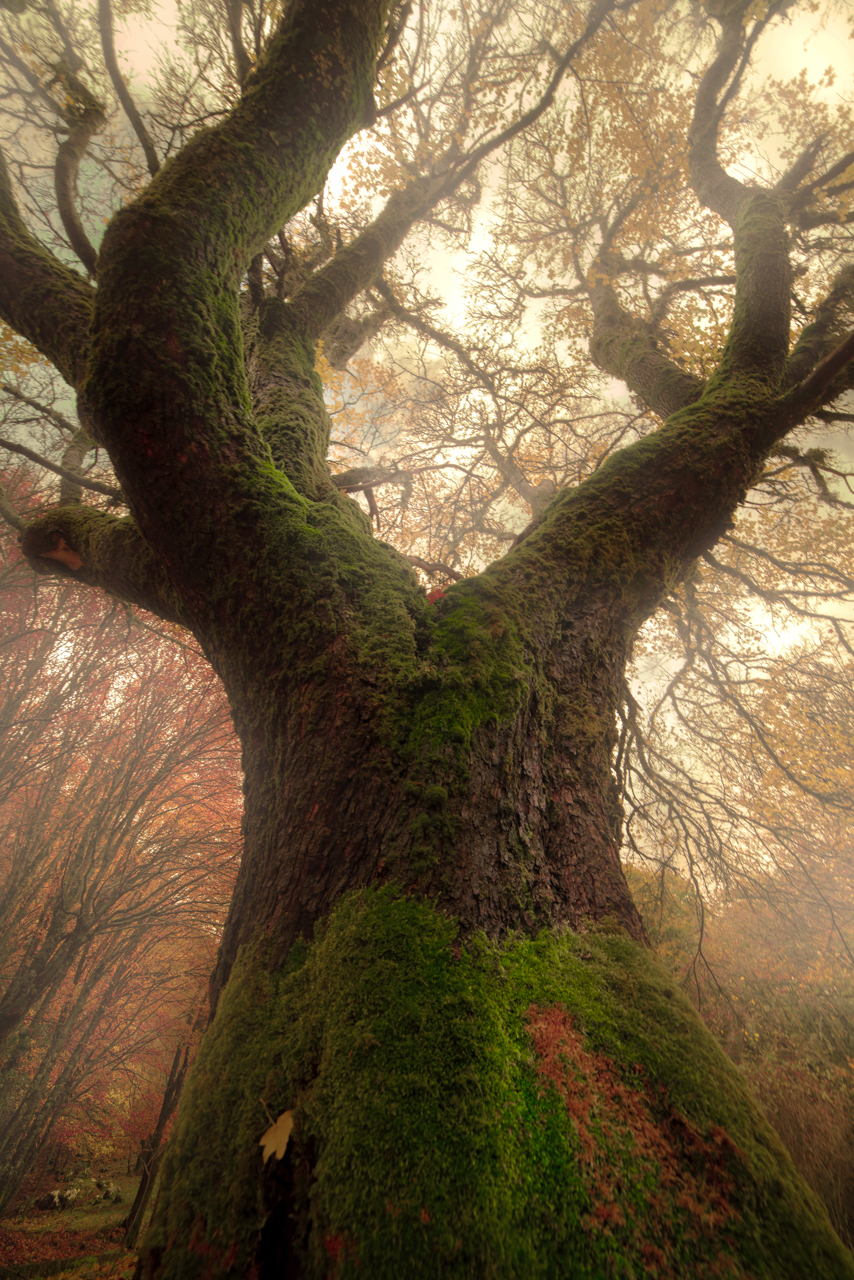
(627, 1135)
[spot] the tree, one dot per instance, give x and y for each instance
(434, 1000)
(118, 826)
(776, 991)
(151, 1147)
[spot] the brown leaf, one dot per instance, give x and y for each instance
(276, 1137)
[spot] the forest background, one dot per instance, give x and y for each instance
(459, 408)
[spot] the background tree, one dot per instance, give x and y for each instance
(118, 825)
(154, 1136)
(481, 1074)
(765, 952)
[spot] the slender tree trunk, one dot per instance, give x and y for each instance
(152, 1147)
(150, 1160)
(43, 1097)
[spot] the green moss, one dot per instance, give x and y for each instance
(551, 1108)
(474, 677)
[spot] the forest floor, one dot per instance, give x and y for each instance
(83, 1242)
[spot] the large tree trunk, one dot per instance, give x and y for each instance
(486, 1071)
(478, 773)
(552, 1107)
(432, 966)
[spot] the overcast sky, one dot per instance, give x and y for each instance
(799, 42)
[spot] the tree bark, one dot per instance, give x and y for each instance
(151, 1150)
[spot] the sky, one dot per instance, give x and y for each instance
(801, 41)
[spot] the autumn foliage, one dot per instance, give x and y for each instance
(119, 816)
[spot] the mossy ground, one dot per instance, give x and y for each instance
(548, 1108)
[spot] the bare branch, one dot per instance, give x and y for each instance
(357, 265)
(105, 22)
(85, 117)
(61, 421)
(72, 476)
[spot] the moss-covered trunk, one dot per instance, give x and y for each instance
(432, 968)
(459, 749)
(545, 1108)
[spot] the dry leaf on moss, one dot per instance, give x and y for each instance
(275, 1140)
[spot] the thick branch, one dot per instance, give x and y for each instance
(360, 478)
(179, 431)
(102, 551)
(625, 347)
(633, 529)
(289, 409)
(758, 340)
(40, 298)
(356, 266)
(242, 61)
(74, 481)
(85, 117)
(433, 569)
(346, 336)
(713, 186)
